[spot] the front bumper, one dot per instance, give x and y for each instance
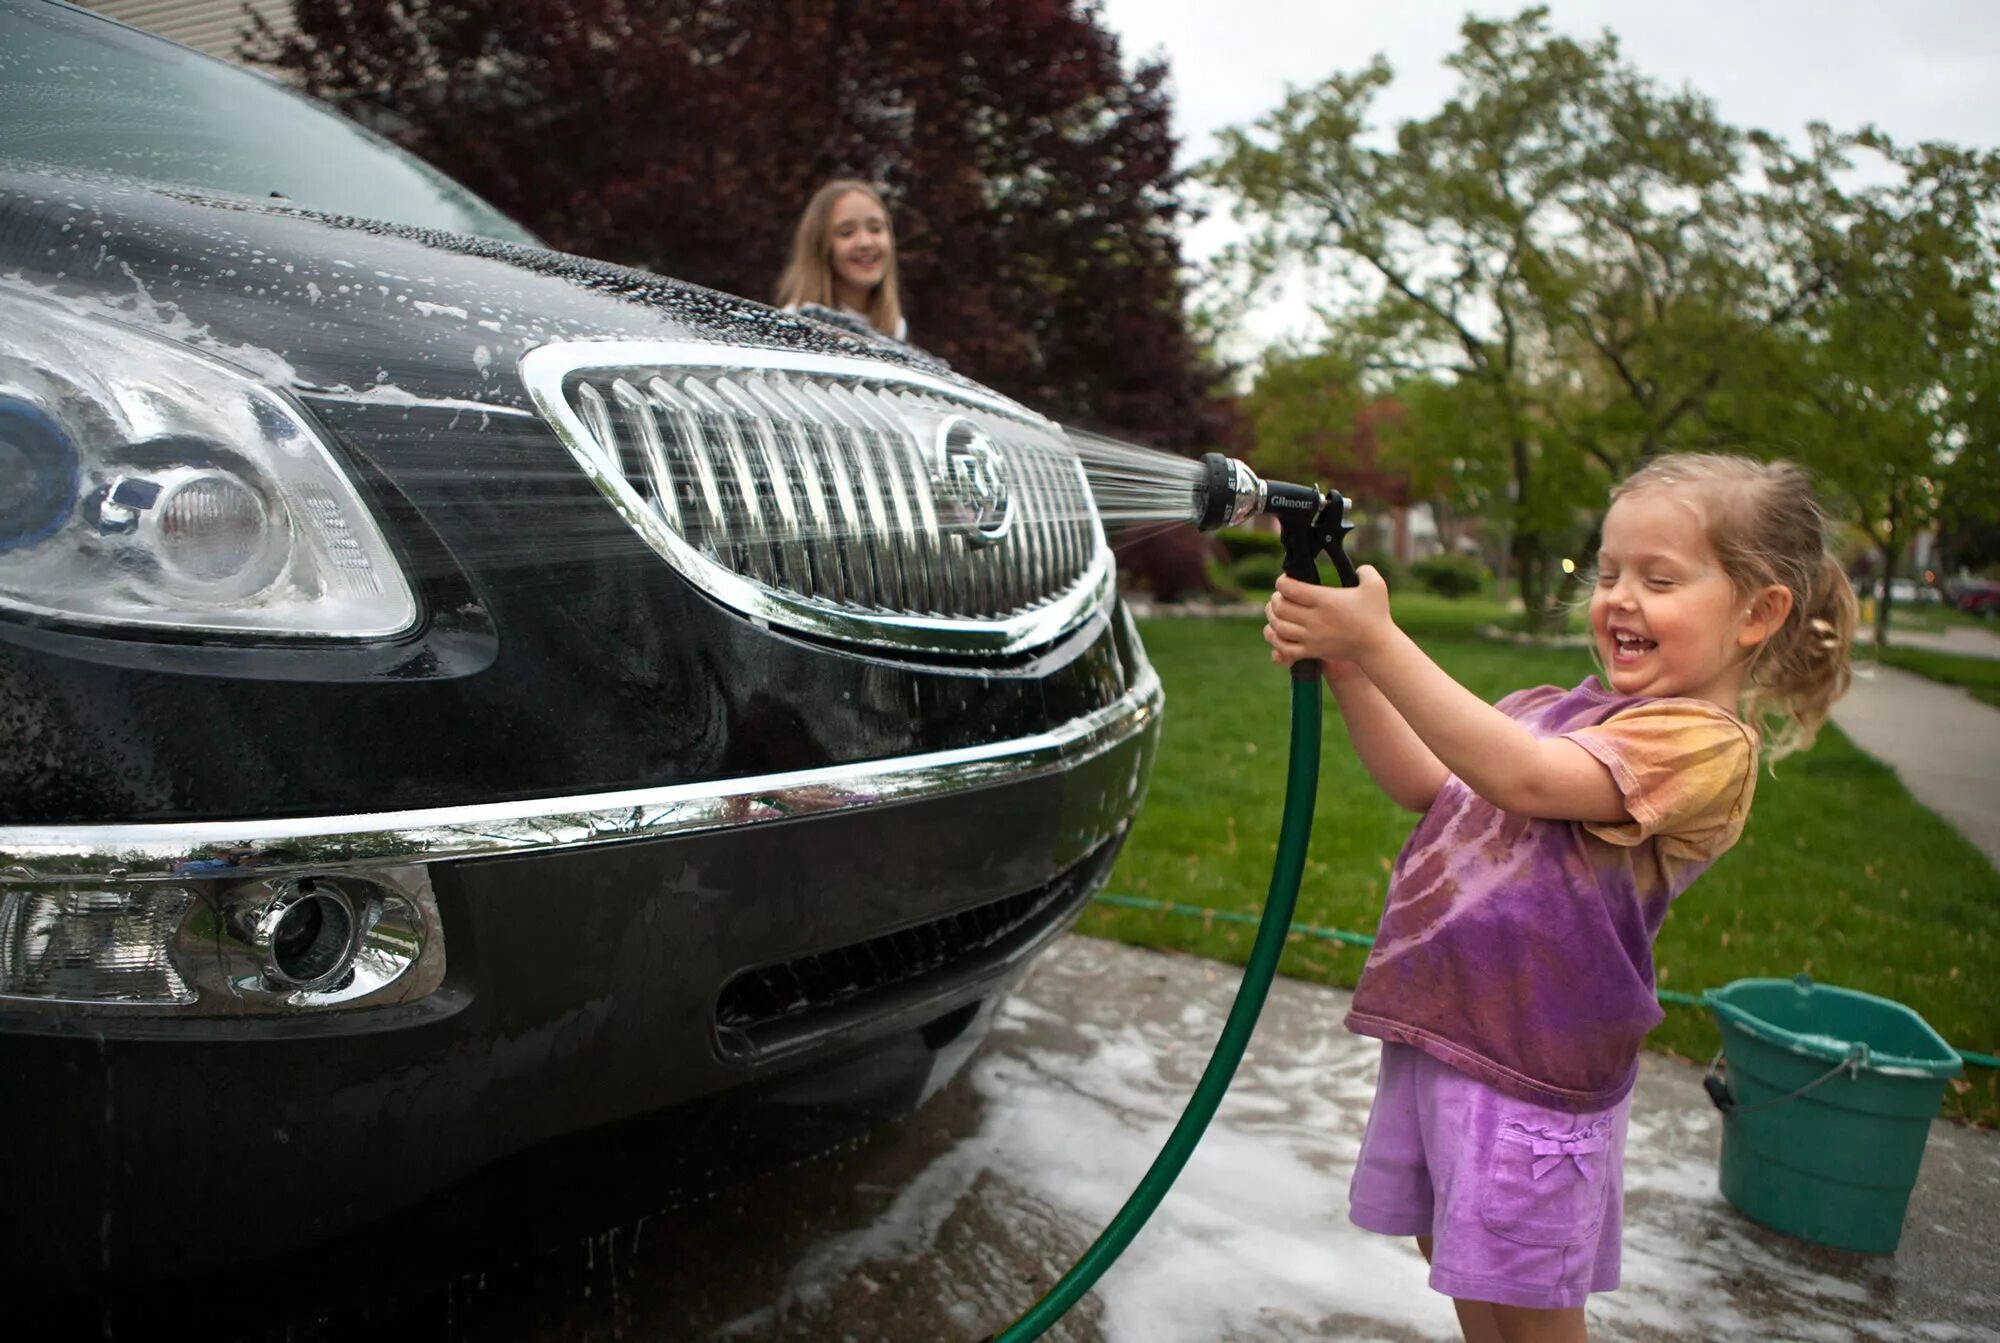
(605, 958)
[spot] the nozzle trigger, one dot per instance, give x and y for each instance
(1333, 528)
(1307, 534)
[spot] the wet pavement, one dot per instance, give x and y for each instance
(947, 1224)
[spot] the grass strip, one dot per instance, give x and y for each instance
(1979, 676)
(1671, 997)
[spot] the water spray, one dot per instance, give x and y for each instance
(1132, 484)
(1222, 492)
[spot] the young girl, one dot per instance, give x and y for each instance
(844, 260)
(1512, 977)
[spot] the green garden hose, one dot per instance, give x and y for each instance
(1294, 830)
(1311, 522)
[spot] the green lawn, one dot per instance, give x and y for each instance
(1840, 874)
(1931, 617)
(1980, 676)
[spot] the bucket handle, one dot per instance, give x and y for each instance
(1716, 1081)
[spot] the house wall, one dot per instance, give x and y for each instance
(214, 26)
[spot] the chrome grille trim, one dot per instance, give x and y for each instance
(179, 851)
(811, 491)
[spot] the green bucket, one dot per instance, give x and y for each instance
(1827, 1103)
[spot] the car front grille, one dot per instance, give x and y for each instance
(842, 497)
(767, 1010)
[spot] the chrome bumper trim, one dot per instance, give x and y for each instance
(231, 850)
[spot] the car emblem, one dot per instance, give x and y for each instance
(972, 482)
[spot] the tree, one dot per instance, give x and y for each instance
(1568, 242)
(1887, 387)
(1307, 415)
(1031, 177)
(1969, 514)
(1446, 439)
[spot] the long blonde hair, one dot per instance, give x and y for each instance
(808, 276)
(1766, 527)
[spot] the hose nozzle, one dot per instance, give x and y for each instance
(1310, 521)
(1232, 493)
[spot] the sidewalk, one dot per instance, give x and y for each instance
(1963, 640)
(1943, 744)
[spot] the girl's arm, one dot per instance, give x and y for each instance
(1394, 756)
(1497, 758)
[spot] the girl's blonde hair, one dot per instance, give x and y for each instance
(1766, 527)
(808, 276)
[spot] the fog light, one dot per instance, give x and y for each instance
(326, 940)
(306, 936)
(93, 946)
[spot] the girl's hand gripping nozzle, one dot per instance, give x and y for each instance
(1309, 522)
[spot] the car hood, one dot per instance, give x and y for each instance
(353, 307)
(538, 669)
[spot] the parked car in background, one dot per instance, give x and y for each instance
(1974, 596)
(1912, 593)
(461, 697)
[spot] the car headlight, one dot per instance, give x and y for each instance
(144, 485)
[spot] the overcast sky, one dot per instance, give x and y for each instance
(1919, 69)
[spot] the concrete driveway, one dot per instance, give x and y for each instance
(944, 1228)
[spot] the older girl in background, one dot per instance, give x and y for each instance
(844, 261)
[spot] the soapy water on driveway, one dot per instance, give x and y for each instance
(948, 1224)
(1085, 1073)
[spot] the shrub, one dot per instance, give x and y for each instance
(1172, 564)
(1257, 573)
(1394, 574)
(1222, 584)
(1243, 542)
(1452, 575)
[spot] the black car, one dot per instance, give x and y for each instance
(457, 698)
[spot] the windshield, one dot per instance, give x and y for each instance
(79, 92)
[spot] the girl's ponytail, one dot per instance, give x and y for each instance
(1804, 667)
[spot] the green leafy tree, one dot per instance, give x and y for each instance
(1455, 449)
(1302, 411)
(1887, 387)
(1323, 416)
(1572, 244)
(1969, 514)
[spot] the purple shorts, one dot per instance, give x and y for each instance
(1524, 1204)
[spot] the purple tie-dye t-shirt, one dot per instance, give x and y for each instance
(1520, 951)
